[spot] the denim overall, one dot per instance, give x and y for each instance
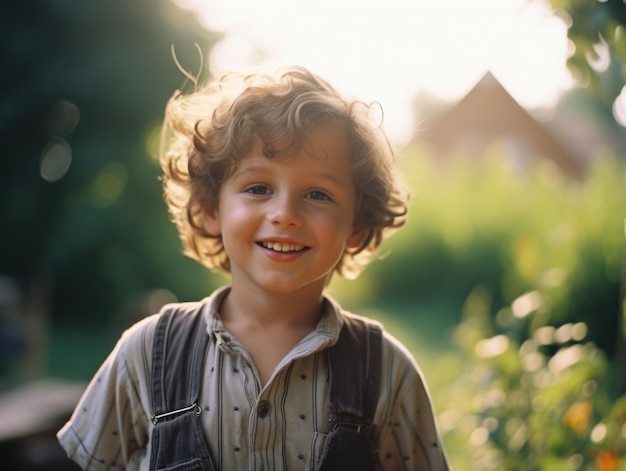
(180, 343)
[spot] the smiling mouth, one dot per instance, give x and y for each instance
(283, 247)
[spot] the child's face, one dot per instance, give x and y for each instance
(285, 221)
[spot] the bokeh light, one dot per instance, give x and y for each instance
(56, 159)
(619, 108)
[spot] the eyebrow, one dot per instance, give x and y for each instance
(333, 178)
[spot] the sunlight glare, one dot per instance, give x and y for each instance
(390, 51)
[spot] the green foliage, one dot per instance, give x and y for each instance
(512, 231)
(597, 30)
(541, 403)
(92, 77)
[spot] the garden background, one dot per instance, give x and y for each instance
(507, 285)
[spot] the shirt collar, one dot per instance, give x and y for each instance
(326, 331)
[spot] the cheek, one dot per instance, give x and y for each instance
(335, 229)
(239, 222)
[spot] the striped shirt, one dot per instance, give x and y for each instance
(282, 425)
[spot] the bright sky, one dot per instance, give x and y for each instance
(390, 50)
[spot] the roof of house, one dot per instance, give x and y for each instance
(489, 113)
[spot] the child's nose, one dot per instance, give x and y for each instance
(285, 210)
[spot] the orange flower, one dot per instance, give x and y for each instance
(577, 416)
(607, 461)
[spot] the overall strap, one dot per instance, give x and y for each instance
(355, 364)
(179, 349)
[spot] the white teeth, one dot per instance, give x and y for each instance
(278, 247)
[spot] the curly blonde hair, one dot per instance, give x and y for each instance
(208, 132)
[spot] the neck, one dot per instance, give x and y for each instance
(255, 306)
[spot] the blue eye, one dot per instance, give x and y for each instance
(319, 196)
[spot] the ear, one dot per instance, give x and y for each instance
(211, 222)
(355, 239)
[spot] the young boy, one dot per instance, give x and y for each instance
(279, 181)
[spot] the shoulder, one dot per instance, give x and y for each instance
(348, 316)
(129, 363)
(139, 338)
(400, 370)
(399, 367)
(398, 354)
(133, 351)
(138, 332)
(393, 350)
(142, 333)
(136, 341)
(397, 360)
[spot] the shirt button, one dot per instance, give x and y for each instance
(264, 408)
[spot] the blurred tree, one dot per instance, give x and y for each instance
(597, 29)
(84, 85)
